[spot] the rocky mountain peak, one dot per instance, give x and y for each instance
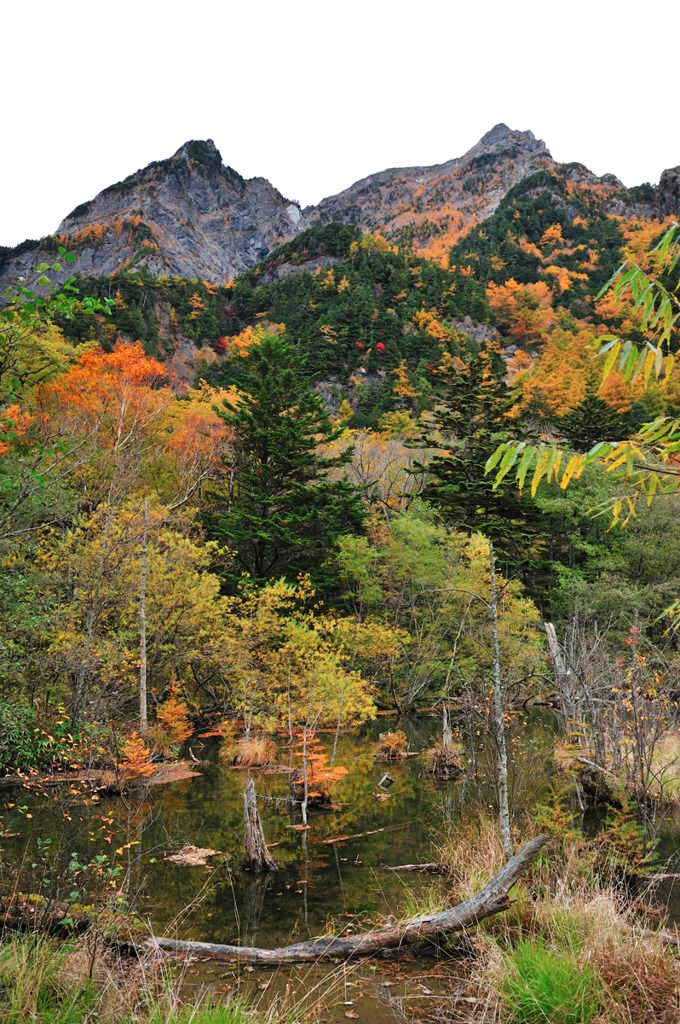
(669, 192)
(501, 137)
(195, 148)
(502, 141)
(498, 133)
(191, 215)
(187, 216)
(432, 207)
(202, 154)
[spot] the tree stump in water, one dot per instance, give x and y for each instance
(258, 857)
(443, 762)
(596, 785)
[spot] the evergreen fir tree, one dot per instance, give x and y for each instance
(592, 420)
(470, 420)
(278, 511)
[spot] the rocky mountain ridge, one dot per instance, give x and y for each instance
(431, 207)
(189, 216)
(193, 217)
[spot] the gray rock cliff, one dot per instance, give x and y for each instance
(192, 216)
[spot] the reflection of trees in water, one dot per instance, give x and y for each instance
(339, 870)
(250, 911)
(323, 879)
(421, 732)
(136, 813)
(450, 802)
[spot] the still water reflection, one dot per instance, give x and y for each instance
(320, 885)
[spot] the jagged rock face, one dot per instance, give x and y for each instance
(668, 193)
(433, 206)
(189, 216)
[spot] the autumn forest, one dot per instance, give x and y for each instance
(415, 462)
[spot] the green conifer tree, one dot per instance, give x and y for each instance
(277, 510)
(469, 421)
(592, 420)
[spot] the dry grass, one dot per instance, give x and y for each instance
(47, 981)
(640, 973)
(44, 981)
(633, 976)
(663, 772)
(393, 744)
(256, 752)
(666, 768)
(472, 853)
(445, 762)
(571, 949)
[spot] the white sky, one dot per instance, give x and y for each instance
(314, 95)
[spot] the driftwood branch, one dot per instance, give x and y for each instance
(334, 840)
(430, 868)
(492, 899)
(592, 764)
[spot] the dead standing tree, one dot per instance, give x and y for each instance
(257, 856)
(499, 702)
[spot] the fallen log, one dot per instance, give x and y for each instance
(360, 835)
(431, 868)
(492, 899)
(105, 781)
(33, 913)
(662, 935)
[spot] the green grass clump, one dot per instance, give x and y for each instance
(544, 984)
(426, 901)
(230, 1012)
(33, 986)
(44, 981)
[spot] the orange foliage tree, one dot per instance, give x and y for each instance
(524, 311)
(136, 762)
(125, 419)
(173, 720)
(312, 781)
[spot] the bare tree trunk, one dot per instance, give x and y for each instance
(337, 729)
(492, 899)
(305, 797)
(290, 714)
(143, 719)
(258, 857)
(304, 755)
(447, 735)
(430, 868)
(397, 706)
(560, 675)
(499, 710)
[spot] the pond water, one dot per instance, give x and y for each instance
(321, 885)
